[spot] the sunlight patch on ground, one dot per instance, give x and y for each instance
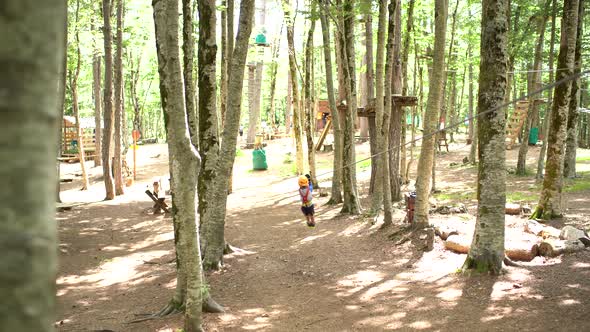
(387, 286)
(496, 313)
(451, 294)
(358, 281)
(421, 325)
(314, 237)
(580, 265)
(111, 272)
(353, 229)
(569, 302)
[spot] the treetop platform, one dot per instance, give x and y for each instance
(397, 101)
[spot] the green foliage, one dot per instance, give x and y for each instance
(517, 197)
(455, 196)
(363, 165)
(578, 184)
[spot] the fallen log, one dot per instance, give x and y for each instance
(513, 209)
(572, 233)
(518, 251)
(554, 247)
(538, 229)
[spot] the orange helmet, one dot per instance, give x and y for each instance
(303, 182)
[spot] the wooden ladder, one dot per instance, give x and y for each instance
(515, 123)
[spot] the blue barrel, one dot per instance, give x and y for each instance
(534, 136)
(259, 159)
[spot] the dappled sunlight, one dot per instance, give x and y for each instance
(356, 282)
(314, 237)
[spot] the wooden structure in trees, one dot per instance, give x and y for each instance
(69, 139)
(398, 101)
(517, 120)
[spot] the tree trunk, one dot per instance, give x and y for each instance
(61, 93)
(184, 160)
(309, 114)
(294, 86)
(215, 215)
(118, 165)
(109, 111)
(377, 196)
(474, 120)
(31, 59)
(487, 248)
(224, 62)
(74, 74)
(547, 119)
(188, 56)
(274, 66)
(96, 95)
(351, 201)
(536, 85)
(550, 203)
(209, 144)
(396, 111)
(370, 93)
(336, 196)
(425, 161)
(572, 120)
(405, 83)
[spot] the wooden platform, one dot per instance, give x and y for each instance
(397, 101)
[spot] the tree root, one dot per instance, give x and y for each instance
(171, 308)
(508, 262)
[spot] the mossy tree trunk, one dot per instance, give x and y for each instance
(209, 143)
(309, 109)
(336, 194)
(96, 90)
(550, 202)
(351, 200)
(31, 59)
(109, 111)
(396, 112)
(404, 164)
(425, 162)
(487, 249)
(569, 167)
(184, 160)
(188, 57)
(217, 195)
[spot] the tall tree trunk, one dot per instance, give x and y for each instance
(96, 94)
(74, 74)
(309, 114)
(61, 93)
(487, 249)
(370, 87)
(536, 84)
(208, 120)
(109, 111)
(336, 195)
(215, 215)
(294, 86)
(572, 120)
(396, 112)
(405, 84)
(547, 119)
(472, 120)
(184, 159)
(188, 56)
(224, 62)
(377, 201)
(119, 114)
(392, 29)
(274, 66)
(31, 59)
(550, 203)
(425, 161)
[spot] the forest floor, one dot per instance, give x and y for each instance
(116, 258)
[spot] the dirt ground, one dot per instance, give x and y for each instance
(116, 259)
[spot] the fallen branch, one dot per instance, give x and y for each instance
(554, 248)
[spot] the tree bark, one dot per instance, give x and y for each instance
(61, 93)
(224, 62)
(184, 161)
(547, 119)
(109, 111)
(336, 195)
(208, 120)
(294, 87)
(487, 248)
(569, 167)
(550, 202)
(351, 201)
(215, 216)
(274, 66)
(188, 56)
(119, 114)
(404, 68)
(31, 59)
(425, 161)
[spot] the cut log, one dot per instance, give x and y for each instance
(538, 229)
(554, 248)
(458, 244)
(522, 251)
(444, 232)
(571, 233)
(513, 209)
